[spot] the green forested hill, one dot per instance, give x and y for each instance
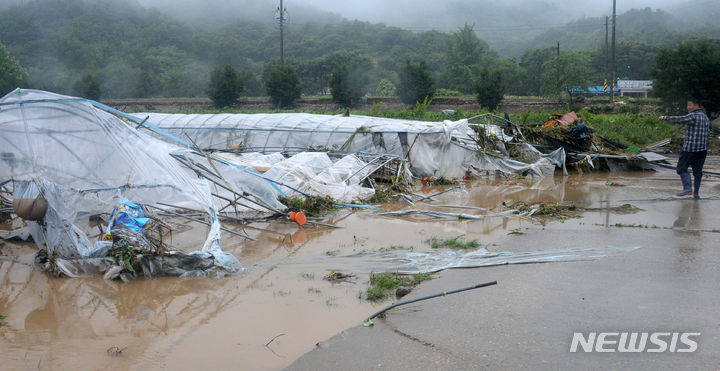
(138, 52)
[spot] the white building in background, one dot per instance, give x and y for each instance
(634, 88)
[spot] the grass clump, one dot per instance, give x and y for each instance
(398, 184)
(310, 205)
(382, 284)
(421, 277)
(548, 209)
(388, 281)
(441, 180)
(2, 322)
(375, 293)
(453, 243)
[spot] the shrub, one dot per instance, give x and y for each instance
(345, 86)
(489, 89)
(283, 86)
(225, 86)
(416, 83)
(88, 87)
(386, 88)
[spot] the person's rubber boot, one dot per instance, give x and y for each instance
(687, 185)
(696, 194)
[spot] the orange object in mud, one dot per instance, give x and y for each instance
(426, 180)
(298, 217)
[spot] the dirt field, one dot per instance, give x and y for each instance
(324, 104)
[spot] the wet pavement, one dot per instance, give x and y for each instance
(281, 308)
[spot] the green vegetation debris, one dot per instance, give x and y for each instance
(310, 205)
(2, 318)
(388, 281)
(628, 208)
(375, 293)
(547, 209)
(382, 284)
(334, 276)
(453, 243)
(441, 180)
(395, 248)
(516, 232)
(398, 185)
(421, 277)
(308, 276)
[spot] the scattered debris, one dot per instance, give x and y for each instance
(395, 248)
(310, 205)
(384, 193)
(453, 243)
(382, 284)
(545, 209)
(115, 351)
(622, 209)
(335, 277)
(273, 339)
(369, 322)
(441, 180)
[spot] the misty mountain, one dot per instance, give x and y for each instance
(210, 13)
(510, 26)
(140, 48)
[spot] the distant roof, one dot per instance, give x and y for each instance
(635, 84)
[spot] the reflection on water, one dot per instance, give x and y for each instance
(42, 312)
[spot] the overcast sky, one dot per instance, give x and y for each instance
(417, 15)
(407, 12)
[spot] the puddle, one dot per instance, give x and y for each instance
(280, 307)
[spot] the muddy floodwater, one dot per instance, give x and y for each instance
(280, 307)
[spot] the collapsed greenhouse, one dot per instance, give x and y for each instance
(67, 163)
(81, 161)
(448, 149)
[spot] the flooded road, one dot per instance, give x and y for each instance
(280, 307)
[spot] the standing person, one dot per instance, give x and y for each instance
(694, 151)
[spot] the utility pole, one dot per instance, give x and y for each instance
(281, 12)
(557, 67)
(612, 81)
(606, 49)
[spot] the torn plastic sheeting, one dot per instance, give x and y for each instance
(194, 264)
(70, 147)
(492, 130)
(433, 261)
(314, 173)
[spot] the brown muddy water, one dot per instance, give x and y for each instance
(280, 307)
